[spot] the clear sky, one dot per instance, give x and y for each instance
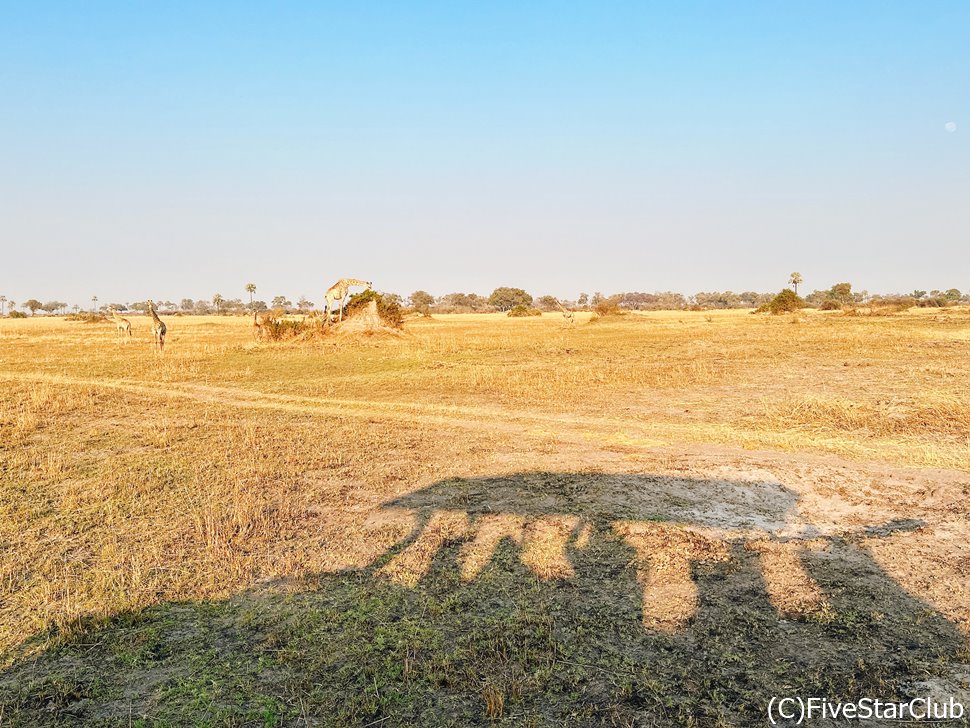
(174, 150)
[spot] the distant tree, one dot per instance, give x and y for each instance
(952, 294)
(217, 301)
(504, 298)
(33, 305)
(187, 304)
(250, 289)
(259, 306)
(795, 278)
(842, 292)
(3, 301)
(918, 294)
(202, 308)
(421, 301)
(281, 302)
(583, 299)
(304, 304)
(461, 303)
(597, 299)
(75, 308)
(547, 303)
(640, 301)
(94, 303)
(13, 304)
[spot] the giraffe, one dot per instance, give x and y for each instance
(566, 313)
(258, 330)
(123, 324)
(158, 329)
(338, 292)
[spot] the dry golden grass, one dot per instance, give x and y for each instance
(137, 477)
(130, 479)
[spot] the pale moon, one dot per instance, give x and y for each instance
(950, 126)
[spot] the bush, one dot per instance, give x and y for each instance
(885, 305)
(608, 307)
(785, 302)
(520, 310)
(277, 328)
(87, 317)
(829, 304)
(17, 314)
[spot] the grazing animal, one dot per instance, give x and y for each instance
(123, 324)
(567, 314)
(338, 292)
(258, 330)
(158, 329)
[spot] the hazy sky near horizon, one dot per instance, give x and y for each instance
(172, 150)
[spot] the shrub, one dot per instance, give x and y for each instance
(885, 305)
(829, 304)
(608, 307)
(17, 314)
(785, 302)
(520, 310)
(86, 317)
(277, 328)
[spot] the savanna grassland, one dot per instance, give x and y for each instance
(650, 519)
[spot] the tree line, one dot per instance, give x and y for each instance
(505, 298)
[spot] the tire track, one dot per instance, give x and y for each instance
(578, 428)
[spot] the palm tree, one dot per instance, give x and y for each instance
(94, 304)
(217, 301)
(3, 301)
(251, 289)
(795, 278)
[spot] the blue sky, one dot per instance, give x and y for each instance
(178, 150)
